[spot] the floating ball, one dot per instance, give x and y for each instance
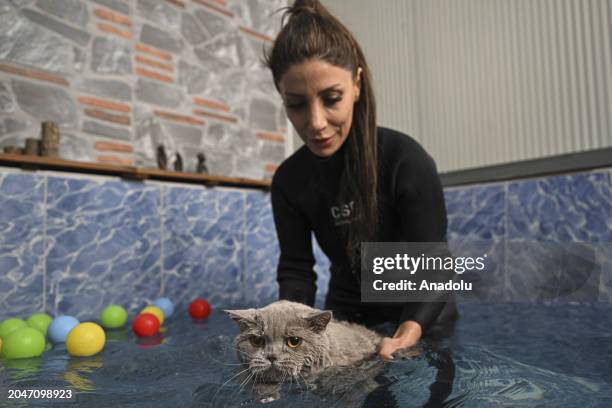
(60, 327)
(40, 322)
(145, 324)
(165, 305)
(199, 309)
(23, 343)
(10, 325)
(113, 317)
(85, 340)
(156, 311)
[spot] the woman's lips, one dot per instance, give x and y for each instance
(322, 142)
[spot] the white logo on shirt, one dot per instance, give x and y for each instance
(342, 213)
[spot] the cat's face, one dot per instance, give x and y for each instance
(279, 341)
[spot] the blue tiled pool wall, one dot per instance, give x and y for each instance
(73, 244)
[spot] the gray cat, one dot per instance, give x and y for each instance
(291, 342)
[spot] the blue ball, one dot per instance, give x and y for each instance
(165, 305)
(60, 327)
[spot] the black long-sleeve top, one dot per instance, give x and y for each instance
(411, 209)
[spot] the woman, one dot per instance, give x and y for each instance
(352, 181)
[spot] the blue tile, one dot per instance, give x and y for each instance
(262, 251)
(572, 208)
(103, 245)
(21, 244)
(476, 212)
(554, 272)
(203, 245)
(532, 272)
(605, 284)
(488, 284)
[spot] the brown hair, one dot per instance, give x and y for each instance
(312, 32)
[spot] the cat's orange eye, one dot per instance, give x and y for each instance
(257, 341)
(293, 341)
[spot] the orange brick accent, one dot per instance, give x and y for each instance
(273, 137)
(283, 130)
(211, 104)
(34, 73)
(109, 117)
(115, 18)
(101, 103)
(115, 147)
(153, 51)
(259, 36)
(115, 160)
(153, 75)
(179, 118)
(210, 4)
(177, 3)
(155, 64)
(107, 28)
(270, 168)
(231, 119)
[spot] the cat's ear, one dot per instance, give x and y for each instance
(319, 321)
(246, 318)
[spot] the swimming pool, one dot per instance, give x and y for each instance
(500, 355)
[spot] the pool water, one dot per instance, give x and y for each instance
(499, 355)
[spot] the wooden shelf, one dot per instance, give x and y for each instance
(128, 172)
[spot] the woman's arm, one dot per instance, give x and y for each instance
(295, 274)
(419, 198)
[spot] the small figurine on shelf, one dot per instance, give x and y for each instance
(13, 150)
(162, 159)
(178, 162)
(201, 168)
(50, 139)
(32, 147)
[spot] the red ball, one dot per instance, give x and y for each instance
(145, 324)
(199, 309)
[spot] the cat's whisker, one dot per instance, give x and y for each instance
(240, 351)
(303, 379)
(246, 381)
(255, 375)
(225, 364)
(230, 379)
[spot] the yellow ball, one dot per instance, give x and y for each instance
(155, 311)
(86, 339)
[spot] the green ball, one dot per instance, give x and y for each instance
(10, 325)
(113, 317)
(40, 322)
(24, 343)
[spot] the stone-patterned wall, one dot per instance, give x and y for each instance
(73, 244)
(122, 76)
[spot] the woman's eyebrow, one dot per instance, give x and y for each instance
(335, 87)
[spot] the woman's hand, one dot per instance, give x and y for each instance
(407, 335)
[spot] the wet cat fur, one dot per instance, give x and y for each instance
(324, 342)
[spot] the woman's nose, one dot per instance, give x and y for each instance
(317, 118)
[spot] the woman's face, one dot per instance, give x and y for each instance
(319, 100)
